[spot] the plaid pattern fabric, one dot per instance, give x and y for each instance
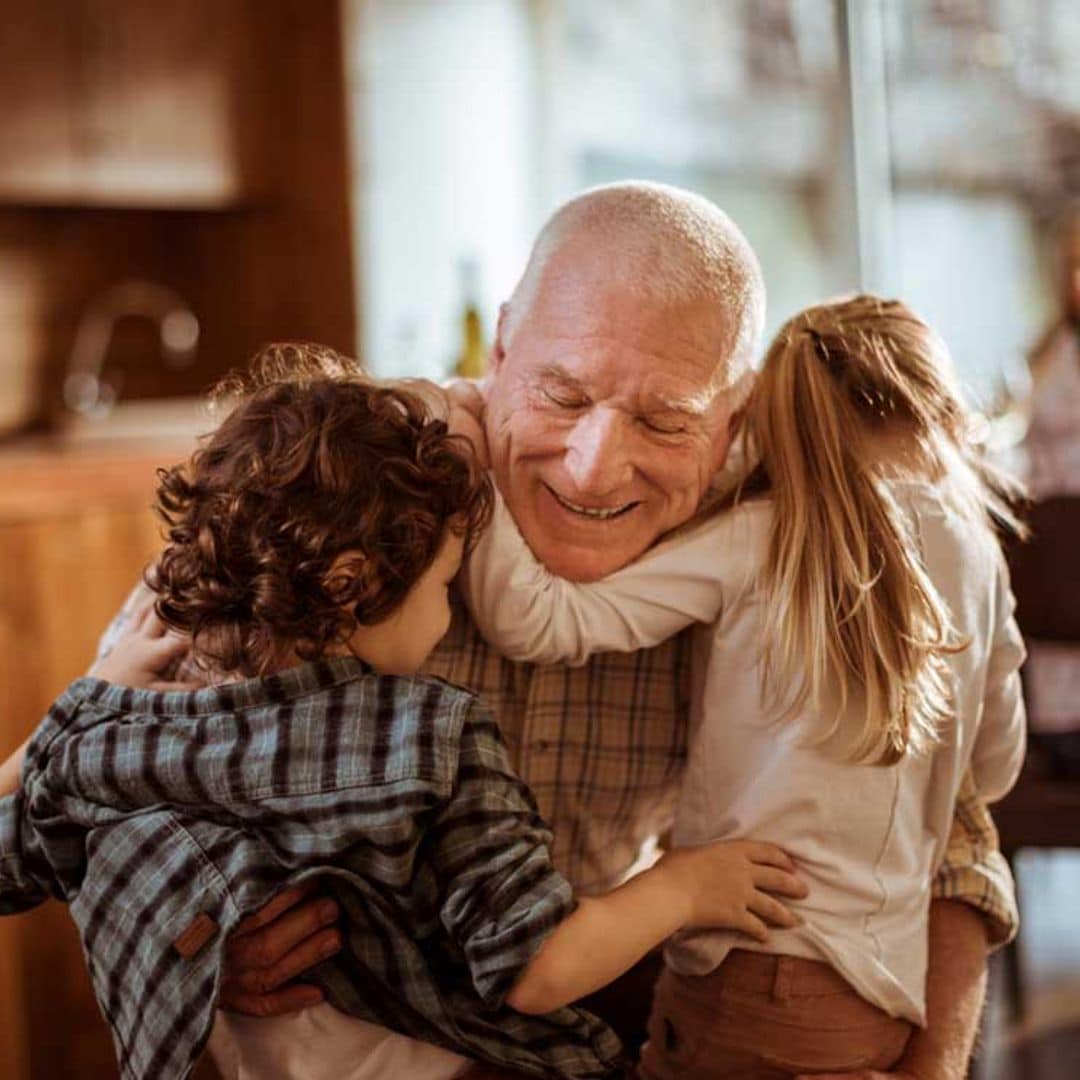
(163, 818)
(974, 871)
(603, 748)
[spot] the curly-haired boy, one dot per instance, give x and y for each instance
(312, 542)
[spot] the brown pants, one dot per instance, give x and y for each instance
(765, 1017)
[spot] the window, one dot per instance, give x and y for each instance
(917, 147)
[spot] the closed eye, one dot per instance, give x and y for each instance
(565, 399)
(663, 425)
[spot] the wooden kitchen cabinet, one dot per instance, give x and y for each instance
(218, 134)
(123, 103)
(37, 155)
(75, 532)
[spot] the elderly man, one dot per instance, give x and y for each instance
(618, 369)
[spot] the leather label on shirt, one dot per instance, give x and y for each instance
(192, 941)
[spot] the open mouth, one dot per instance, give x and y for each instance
(594, 513)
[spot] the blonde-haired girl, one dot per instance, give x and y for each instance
(857, 655)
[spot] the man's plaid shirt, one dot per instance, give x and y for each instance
(603, 749)
(163, 818)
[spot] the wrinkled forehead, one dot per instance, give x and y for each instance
(600, 311)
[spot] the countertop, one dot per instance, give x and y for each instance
(43, 476)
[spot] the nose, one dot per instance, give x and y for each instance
(597, 453)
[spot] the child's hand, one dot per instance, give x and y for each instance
(729, 884)
(467, 415)
(460, 403)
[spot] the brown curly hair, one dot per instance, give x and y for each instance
(315, 462)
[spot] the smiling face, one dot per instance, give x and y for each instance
(602, 419)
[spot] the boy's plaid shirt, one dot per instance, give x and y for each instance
(162, 819)
(603, 748)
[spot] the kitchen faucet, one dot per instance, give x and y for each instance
(86, 391)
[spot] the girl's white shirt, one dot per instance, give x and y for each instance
(867, 839)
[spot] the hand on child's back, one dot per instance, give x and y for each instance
(734, 884)
(145, 652)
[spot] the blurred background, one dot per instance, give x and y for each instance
(180, 183)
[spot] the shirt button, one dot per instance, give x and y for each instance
(540, 746)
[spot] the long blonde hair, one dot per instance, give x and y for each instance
(852, 618)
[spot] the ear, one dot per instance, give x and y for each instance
(498, 347)
(740, 393)
(725, 438)
(347, 570)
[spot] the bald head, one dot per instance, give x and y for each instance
(665, 246)
(618, 369)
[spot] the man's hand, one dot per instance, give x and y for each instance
(145, 652)
(955, 987)
(293, 933)
(142, 654)
(11, 771)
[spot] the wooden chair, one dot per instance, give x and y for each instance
(1041, 812)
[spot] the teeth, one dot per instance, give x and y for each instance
(592, 512)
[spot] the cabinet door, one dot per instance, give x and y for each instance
(62, 576)
(157, 120)
(14, 1022)
(37, 66)
(122, 103)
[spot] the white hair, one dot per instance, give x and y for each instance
(674, 248)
